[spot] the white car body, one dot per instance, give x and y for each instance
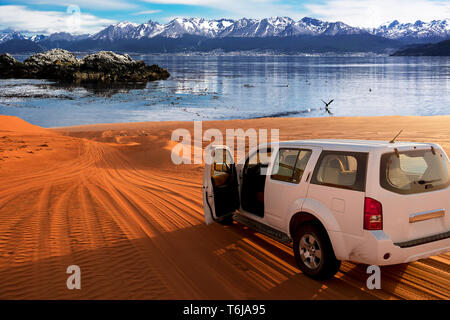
(414, 226)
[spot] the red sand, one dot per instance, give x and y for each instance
(108, 198)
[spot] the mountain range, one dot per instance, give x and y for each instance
(227, 34)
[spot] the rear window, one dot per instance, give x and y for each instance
(346, 170)
(414, 171)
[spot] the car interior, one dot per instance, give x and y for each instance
(406, 170)
(286, 164)
(338, 169)
(225, 185)
(254, 180)
(397, 177)
(290, 165)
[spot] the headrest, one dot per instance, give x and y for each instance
(290, 159)
(394, 162)
(335, 164)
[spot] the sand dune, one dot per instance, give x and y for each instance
(107, 198)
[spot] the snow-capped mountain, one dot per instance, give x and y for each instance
(59, 36)
(63, 36)
(251, 28)
(122, 30)
(257, 28)
(268, 27)
(195, 26)
(10, 35)
(174, 29)
(310, 26)
(36, 37)
(417, 30)
(6, 35)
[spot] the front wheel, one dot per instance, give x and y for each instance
(314, 253)
(226, 220)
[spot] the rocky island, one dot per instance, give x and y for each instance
(62, 65)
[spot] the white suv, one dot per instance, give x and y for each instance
(370, 202)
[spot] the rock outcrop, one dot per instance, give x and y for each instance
(62, 65)
(9, 67)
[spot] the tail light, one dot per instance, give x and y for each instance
(373, 214)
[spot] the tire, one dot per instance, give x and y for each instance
(226, 220)
(314, 253)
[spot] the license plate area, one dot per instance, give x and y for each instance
(427, 215)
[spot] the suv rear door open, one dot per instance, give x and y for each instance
(220, 186)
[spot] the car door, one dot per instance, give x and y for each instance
(287, 182)
(338, 183)
(254, 174)
(220, 185)
(414, 193)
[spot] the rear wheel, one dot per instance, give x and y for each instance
(314, 253)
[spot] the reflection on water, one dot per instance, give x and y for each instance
(99, 89)
(229, 87)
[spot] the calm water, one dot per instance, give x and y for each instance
(229, 87)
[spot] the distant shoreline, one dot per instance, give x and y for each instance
(223, 122)
(440, 49)
(232, 54)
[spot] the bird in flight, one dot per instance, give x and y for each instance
(327, 106)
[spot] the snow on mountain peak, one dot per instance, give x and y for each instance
(311, 21)
(244, 27)
(126, 24)
(416, 30)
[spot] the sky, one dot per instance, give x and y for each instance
(90, 16)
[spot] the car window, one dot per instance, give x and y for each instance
(290, 164)
(221, 164)
(415, 165)
(341, 170)
(414, 171)
(259, 160)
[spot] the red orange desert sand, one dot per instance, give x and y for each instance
(108, 199)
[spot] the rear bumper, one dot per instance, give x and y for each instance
(424, 240)
(376, 248)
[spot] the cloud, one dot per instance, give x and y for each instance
(87, 4)
(146, 12)
(242, 8)
(372, 13)
(20, 18)
(362, 13)
(209, 3)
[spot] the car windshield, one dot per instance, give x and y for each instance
(414, 171)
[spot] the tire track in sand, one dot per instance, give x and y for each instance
(139, 233)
